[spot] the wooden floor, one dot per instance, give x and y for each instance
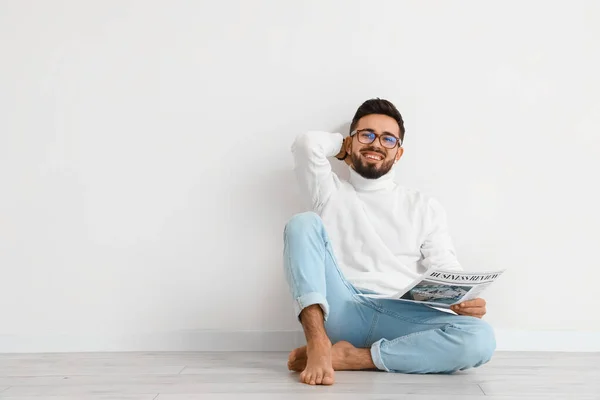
(186, 376)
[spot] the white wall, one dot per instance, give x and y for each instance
(146, 176)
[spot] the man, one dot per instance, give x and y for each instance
(371, 235)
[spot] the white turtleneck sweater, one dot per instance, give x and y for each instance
(383, 235)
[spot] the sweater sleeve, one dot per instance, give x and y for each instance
(437, 248)
(313, 170)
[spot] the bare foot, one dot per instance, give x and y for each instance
(297, 359)
(344, 357)
(314, 363)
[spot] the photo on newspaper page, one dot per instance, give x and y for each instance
(434, 292)
(444, 288)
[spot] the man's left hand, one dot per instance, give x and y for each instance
(472, 308)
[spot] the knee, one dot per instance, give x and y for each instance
(302, 222)
(479, 344)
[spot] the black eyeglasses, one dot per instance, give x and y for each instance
(367, 136)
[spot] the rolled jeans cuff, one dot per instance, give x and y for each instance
(376, 356)
(308, 300)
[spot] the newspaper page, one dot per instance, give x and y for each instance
(444, 288)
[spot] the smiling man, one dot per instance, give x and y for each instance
(371, 235)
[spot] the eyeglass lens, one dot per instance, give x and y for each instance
(386, 140)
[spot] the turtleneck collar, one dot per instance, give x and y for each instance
(364, 184)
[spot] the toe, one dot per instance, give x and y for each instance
(319, 378)
(305, 377)
(308, 377)
(328, 378)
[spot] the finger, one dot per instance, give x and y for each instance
(472, 311)
(473, 303)
(469, 303)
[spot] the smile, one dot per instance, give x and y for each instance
(373, 156)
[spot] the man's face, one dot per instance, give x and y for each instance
(373, 160)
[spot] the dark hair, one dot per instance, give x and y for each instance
(378, 106)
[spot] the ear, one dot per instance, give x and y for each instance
(348, 144)
(399, 154)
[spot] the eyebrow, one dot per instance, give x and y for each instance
(384, 132)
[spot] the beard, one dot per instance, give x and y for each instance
(370, 170)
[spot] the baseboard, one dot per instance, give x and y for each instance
(508, 340)
(572, 341)
(200, 340)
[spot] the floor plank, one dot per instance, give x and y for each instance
(223, 376)
(562, 387)
(345, 396)
(249, 387)
(89, 397)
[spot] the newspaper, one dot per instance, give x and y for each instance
(443, 288)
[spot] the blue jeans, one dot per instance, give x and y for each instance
(403, 337)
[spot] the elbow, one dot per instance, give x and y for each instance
(302, 141)
(307, 143)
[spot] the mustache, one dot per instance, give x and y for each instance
(374, 150)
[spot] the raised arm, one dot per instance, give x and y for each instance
(313, 170)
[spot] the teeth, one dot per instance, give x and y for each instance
(373, 157)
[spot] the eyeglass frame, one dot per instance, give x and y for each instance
(377, 137)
